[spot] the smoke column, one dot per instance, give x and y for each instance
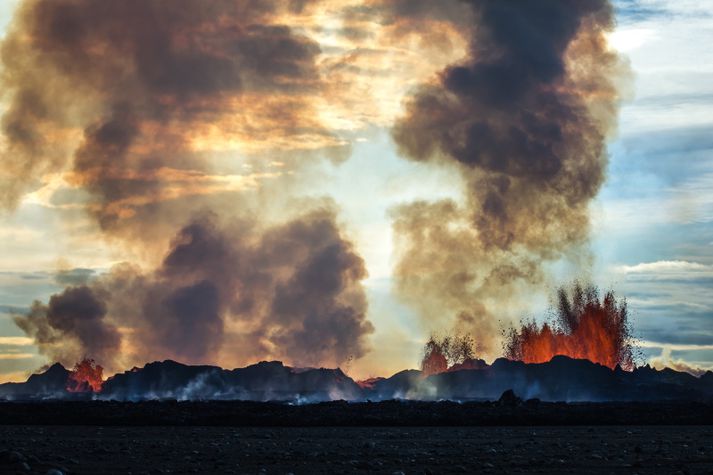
(290, 292)
(523, 119)
(130, 101)
(180, 126)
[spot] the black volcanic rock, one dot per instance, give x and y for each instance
(259, 382)
(707, 379)
(51, 383)
(397, 386)
(509, 398)
(157, 380)
(561, 379)
(274, 381)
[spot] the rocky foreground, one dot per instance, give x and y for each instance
(508, 410)
(228, 450)
(391, 437)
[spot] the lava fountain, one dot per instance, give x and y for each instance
(85, 377)
(449, 353)
(583, 326)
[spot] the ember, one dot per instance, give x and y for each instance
(85, 377)
(583, 327)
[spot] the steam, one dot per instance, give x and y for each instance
(523, 119)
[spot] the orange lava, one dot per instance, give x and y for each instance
(85, 377)
(584, 328)
(369, 383)
(448, 353)
(434, 363)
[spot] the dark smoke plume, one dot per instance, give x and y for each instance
(72, 323)
(291, 292)
(126, 95)
(131, 101)
(523, 119)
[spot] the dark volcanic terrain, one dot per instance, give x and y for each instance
(561, 379)
(172, 418)
(340, 413)
(547, 450)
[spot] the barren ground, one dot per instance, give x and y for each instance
(391, 437)
(149, 450)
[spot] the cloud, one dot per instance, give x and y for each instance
(665, 360)
(17, 356)
(75, 276)
(636, 11)
(16, 341)
(12, 309)
(675, 273)
(13, 376)
(665, 267)
(674, 346)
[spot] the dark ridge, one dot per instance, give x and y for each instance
(49, 384)
(561, 379)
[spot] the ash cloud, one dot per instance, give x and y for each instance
(127, 94)
(523, 119)
(78, 313)
(292, 291)
(131, 101)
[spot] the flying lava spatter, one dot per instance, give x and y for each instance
(85, 377)
(584, 327)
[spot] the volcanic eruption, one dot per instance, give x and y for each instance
(522, 122)
(584, 327)
(449, 353)
(585, 352)
(86, 376)
(234, 263)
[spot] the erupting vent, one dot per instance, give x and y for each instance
(583, 327)
(443, 354)
(85, 377)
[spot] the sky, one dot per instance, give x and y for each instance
(651, 237)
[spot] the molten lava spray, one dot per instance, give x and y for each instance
(584, 327)
(448, 352)
(85, 377)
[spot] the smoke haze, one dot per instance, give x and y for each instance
(188, 132)
(523, 119)
(291, 292)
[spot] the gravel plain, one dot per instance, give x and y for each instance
(388, 450)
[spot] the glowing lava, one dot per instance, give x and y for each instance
(85, 377)
(369, 383)
(448, 353)
(583, 327)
